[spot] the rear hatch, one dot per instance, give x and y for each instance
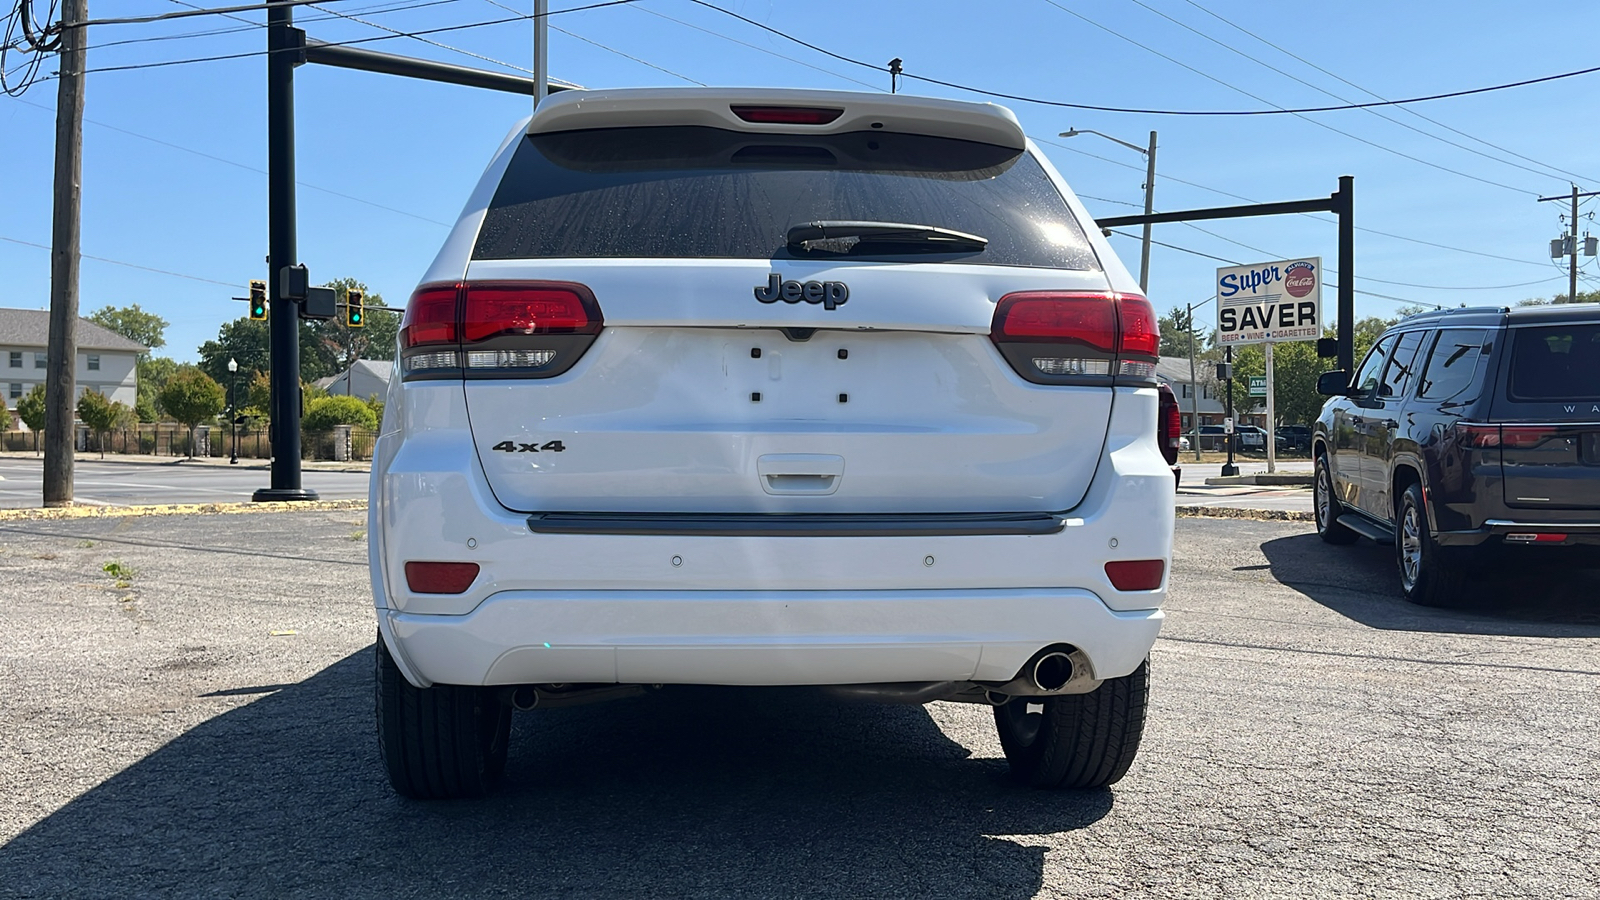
(752, 360)
(1549, 415)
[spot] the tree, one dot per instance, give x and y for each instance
(101, 415)
(1176, 333)
(247, 341)
(340, 345)
(144, 328)
(153, 372)
(1583, 297)
(325, 412)
(259, 396)
(31, 410)
(191, 397)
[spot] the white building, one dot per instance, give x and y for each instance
(1210, 397)
(106, 360)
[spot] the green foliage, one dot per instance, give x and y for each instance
(326, 348)
(153, 372)
(191, 397)
(1175, 333)
(102, 415)
(325, 412)
(259, 395)
(31, 408)
(1583, 297)
(340, 345)
(375, 403)
(133, 323)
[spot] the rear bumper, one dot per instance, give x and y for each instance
(1581, 541)
(765, 637)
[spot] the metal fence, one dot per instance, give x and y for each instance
(171, 439)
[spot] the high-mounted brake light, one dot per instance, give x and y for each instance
(533, 329)
(787, 115)
(1050, 335)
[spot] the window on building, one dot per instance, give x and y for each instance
(1186, 388)
(16, 391)
(16, 359)
(94, 362)
(38, 360)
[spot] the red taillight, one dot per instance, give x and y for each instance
(1141, 335)
(787, 115)
(1059, 318)
(1135, 574)
(496, 308)
(1516, 437)
(431, 316)
(440, 577)
(1170, 425)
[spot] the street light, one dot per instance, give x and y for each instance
(233, 409)
(1149, 193)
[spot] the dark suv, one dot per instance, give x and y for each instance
(1466, 435)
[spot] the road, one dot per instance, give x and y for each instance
(207, 730)
(118, 483)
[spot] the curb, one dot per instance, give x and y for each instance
(1239, 512)
(174, 509)
(1281, 479)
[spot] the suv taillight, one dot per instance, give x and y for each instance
(1514, 437)
(497, 329)
(1077, 337)
(1169, 425)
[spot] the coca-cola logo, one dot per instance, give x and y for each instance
(1300, 279)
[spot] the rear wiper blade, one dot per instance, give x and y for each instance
(842, 236)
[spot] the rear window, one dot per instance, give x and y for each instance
(705, 193)
(1556, 362)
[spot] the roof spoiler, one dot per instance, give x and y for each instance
(716, 108)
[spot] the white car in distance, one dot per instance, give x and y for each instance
(770, 387)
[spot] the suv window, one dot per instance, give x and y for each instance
(1366, 380)
(1556, 362)
(1397, 377)
(1452, 364)
(707, 193)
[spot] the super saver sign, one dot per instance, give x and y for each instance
(1273, 301)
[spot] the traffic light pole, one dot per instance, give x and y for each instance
(283, 323)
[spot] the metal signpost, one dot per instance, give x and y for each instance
(1267, 303)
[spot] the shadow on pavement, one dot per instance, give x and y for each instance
(1360, 582)
(715, 792)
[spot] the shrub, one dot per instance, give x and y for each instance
(325, 412)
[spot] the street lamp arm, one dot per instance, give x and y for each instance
(1074, 132)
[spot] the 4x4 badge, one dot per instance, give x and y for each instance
(830, 294)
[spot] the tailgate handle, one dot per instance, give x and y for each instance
(800, 473)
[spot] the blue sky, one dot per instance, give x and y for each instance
(409, 151)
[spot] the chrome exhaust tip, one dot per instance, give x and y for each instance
(1052, 671)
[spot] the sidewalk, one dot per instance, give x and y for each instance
(1289, 502)
(135, 459)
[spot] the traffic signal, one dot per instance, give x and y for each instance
(355, 315)
(258, 299)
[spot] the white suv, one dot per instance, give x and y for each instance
(770, 387)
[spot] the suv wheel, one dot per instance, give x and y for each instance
(1327, 508)
(1427, 578)
(442, 742)
(1075, 740)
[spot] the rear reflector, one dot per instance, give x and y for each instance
(440, 577)
(1135, 574)
(1546, 537)
(787, 115)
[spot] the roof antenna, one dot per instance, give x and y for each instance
(894, 75)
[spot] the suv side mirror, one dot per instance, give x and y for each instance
(1334, 384)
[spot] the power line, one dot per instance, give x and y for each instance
(1235, 50)
(1253, 36)
(118, 262)
(608, 49)
(1319, 124)
(398, 33)
(1145, 112)
(734, 40)
(249, 168)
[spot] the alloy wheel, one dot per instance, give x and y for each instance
(1410, 546)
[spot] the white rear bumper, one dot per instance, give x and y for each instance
(765, 637)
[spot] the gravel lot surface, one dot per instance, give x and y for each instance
(1310, 735)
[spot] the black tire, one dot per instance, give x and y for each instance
(1326, 507)
(439, 743)
(1428, 576)
(1078, 740)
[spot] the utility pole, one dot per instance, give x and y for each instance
(62, 358)
(1570, 245)
(541, 50)
(1194, 386)
(284, 46)
(1149, 207)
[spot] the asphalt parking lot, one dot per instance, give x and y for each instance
(198, 722)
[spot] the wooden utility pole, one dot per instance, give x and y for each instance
(61, 366)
